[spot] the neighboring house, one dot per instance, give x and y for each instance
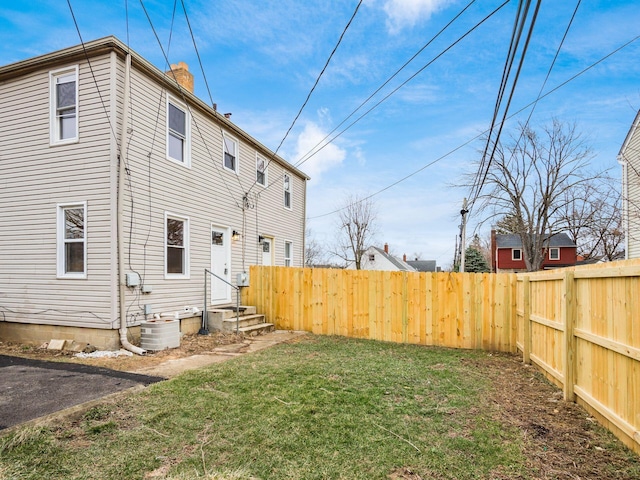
(375, 258)
(507, 254)
(118, 187)
(423, 265)
(629, 159)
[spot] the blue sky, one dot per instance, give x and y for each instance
(262, 57)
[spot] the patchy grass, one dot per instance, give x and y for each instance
(321, 408)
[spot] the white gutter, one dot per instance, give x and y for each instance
(121, 173)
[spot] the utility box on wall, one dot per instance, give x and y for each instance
(242, 279)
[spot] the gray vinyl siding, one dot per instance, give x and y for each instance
(35, 178)
(632, 156)
(206, 193)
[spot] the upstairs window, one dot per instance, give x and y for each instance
(72, 241)
(287, 191)
(176, 247)
(554, 253)
(261, 171)
(516, 254)
(230, 152)
(64, 105)
(178, 143)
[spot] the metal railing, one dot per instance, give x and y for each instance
(204, 330)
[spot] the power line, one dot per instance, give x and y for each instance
(413, 57)
(451, 152)
(506, 110)
(386, 97)
(344, 31)
(193, 117)
(544, 83)
(95, 81)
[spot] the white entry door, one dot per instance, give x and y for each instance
(267, 251)
(220, 265)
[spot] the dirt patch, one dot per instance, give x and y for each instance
(189, 345)
(561, 440)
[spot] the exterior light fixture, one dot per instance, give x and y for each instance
(260, 239)
(235, 235)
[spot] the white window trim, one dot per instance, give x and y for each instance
(290, 257)
(60, 240)
(513, 257)
(551, 249)
(226, 136)
(187, 143)
(187, 255)
(266, 169)
(54, 130)
(284, 189)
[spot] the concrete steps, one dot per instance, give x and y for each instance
(223, 319)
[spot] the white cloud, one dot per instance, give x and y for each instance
(406, 13)
(310, 140)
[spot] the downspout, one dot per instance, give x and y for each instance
(120, 206)
(625, 203)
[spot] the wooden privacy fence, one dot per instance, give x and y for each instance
(581, 326)
(461, 310)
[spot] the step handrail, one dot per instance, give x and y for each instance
(203, 329)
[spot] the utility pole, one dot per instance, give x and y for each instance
(463, 233)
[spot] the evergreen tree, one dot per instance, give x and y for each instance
(474, 261)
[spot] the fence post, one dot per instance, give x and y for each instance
(569, 320)
(526, 320)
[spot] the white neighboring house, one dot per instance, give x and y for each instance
(629, 158)
(118, 187)
(375, 258)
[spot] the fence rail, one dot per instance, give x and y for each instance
(581, 325)
(461, 310)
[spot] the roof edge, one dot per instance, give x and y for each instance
(112, 43)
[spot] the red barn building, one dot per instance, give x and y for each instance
(507, 254)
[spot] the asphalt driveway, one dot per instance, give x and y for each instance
(33, 388)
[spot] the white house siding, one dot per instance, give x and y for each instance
(630, 159)
(34, 179)
(633, 192)
(206, 193)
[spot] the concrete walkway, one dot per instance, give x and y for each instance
(171, 368)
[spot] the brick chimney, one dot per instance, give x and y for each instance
(180, 73)
(386, 248)
(404, 257)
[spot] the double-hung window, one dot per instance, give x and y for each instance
(176, 246)
(287, 191)
(554, 253)
(230, 153)
(178, 141)
(72, 240)
(64, 105)
(288, 248)
(261, 171)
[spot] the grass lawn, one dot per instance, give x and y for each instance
(321, 408)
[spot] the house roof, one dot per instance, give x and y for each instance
(105, 45)
(630, 134)
(423, 265)
(512, 240)
(399, 264)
